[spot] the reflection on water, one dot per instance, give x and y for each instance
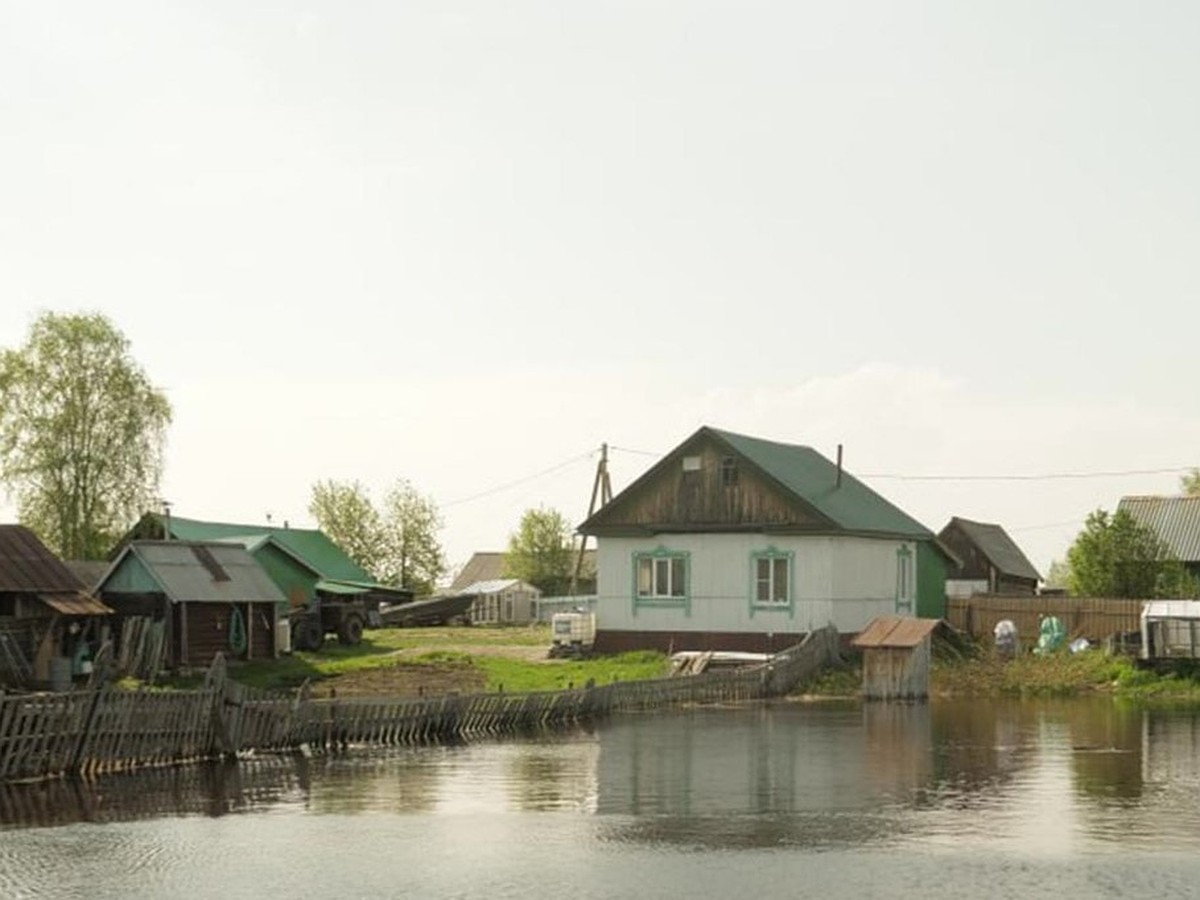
(1062, 781)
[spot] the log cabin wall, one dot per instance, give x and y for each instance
(208, 626)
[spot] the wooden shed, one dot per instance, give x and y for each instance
(50, 626)
(896, 657)
(201, 597)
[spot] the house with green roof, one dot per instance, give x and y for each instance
(733, 542)
(304, 563)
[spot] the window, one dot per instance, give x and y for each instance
(729, 471)
(771, 579)
(664, 576)
(661, 578)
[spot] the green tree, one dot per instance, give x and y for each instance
(344, 511)
(1190, 483)
(397, 544)
(540, 553)
(1059, 575)
(1115, 556)
(412, 521)
(82, 431)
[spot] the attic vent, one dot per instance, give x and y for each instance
(729, 471)
(205, 558)
(691, 464)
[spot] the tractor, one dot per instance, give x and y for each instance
(345, 618)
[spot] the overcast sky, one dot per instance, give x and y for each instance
(466, 242)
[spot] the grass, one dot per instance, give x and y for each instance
(1065, 674)
(476, 647)
(516, 675)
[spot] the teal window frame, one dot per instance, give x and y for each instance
(789, 605)
(906, 580)
(662, 601)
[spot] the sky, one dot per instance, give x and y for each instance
(466, 243)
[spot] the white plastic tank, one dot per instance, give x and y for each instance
(573, 629)
(283, 635)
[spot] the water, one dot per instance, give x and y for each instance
(979, 799)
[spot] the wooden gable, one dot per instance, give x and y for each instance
(704, 485)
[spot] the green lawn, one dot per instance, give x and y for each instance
(473, 646)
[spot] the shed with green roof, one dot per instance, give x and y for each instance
(734, 542)
(304, 563)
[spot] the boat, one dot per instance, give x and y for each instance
(445, 610)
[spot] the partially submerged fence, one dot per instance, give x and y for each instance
(87, 732)
(1093, 618)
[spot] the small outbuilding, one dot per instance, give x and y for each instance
(200, 597)
(1171, 630)
(991, 561)
(503, 601)
(50, 625)
(897, 654)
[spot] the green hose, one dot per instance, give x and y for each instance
(237, 632)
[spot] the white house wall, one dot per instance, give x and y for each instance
(844, 580)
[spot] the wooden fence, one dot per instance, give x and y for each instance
(1093, 618)
(45, 736)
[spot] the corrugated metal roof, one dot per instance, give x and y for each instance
(312, 546)
(1175, 519)
(75, 604)
(994, 543)
(1171, 609)
(175, 566)
(340, 587)
(28, 566)
(895, 631)
(813, 478)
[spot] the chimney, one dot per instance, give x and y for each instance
(838, 483)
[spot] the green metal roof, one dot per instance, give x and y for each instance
(311, 546)
(813, 479)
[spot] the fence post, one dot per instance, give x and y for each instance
(86, 734)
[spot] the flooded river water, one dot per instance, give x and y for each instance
(949, 799)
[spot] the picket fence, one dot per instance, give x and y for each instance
(46, 736)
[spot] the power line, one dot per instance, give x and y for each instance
(637, 452)
(1052, 476)
(512, 484)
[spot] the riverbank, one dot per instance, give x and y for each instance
(1062, 674)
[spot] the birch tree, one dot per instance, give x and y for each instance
(82, 431)
(397, 543)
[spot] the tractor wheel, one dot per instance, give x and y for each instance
(351, 631)
(307, 635)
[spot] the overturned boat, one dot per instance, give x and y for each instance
(453, 609)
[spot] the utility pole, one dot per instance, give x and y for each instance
(602, 490)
